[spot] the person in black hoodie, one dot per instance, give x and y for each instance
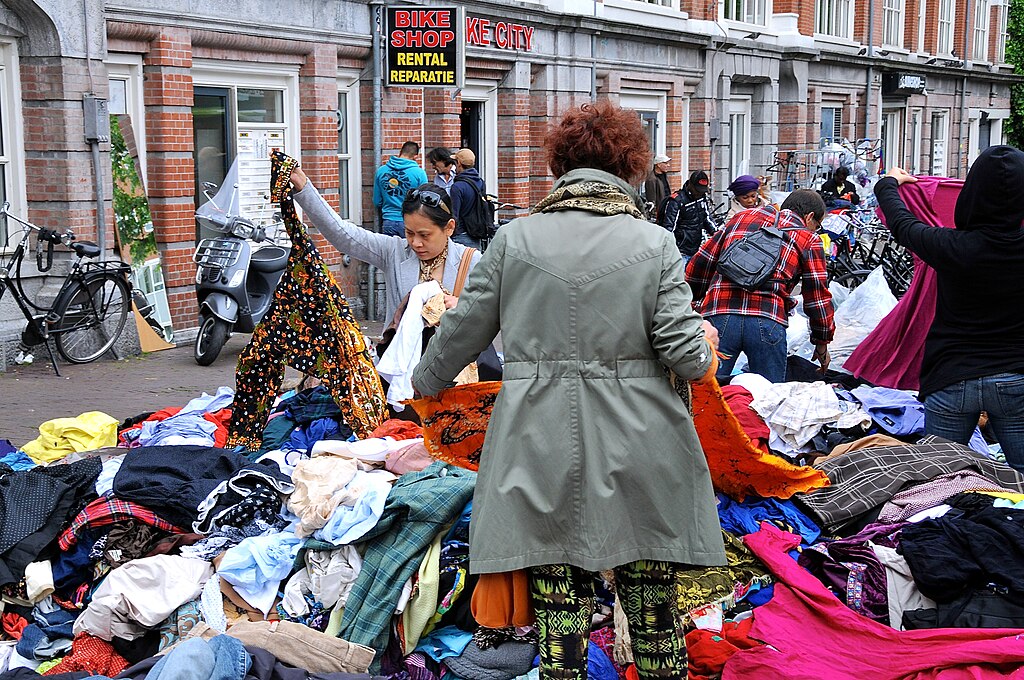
(974, 351)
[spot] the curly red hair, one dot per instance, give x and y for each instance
(599, 135)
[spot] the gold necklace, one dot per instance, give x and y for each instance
(428, 267)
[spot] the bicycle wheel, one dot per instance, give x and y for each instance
(853, 279)
(90, 317)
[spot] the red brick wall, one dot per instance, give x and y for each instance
(804, 8)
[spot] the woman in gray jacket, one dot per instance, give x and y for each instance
(425, 252)
(591, 460)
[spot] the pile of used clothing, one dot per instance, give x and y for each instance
(857, 548)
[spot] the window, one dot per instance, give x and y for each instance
(747, 11)
(922, 21)
(11, 188)
(834, 18)
(945, 43)
(349, 189)
(831, 123)
(892, 23)
(892, 138)
(981, 19)
(662, 3)
(242, 113)
(940, 133)
(1003, 35)
(739, 137)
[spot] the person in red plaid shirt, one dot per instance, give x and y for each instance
(755, 322)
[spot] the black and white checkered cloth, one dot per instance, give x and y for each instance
(862, 480)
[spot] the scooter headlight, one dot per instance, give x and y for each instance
(243, 229)
(236, 279)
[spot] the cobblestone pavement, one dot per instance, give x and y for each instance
(30, 395)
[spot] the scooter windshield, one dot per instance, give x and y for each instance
(217, 212)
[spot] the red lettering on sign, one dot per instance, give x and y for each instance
(423, 18)
(505, 35)
(419, 38)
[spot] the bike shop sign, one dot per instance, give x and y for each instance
(425, 47)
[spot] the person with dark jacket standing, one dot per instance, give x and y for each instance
(974, 351)
(686, 214)
(463, 194)
(656, 187)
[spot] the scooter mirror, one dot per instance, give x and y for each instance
(259, 235)
(209, 186)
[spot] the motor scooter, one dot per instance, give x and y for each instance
(237, 271)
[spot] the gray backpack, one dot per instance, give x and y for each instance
(749, 262)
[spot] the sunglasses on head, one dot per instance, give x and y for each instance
(429, 198)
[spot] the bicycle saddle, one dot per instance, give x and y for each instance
(85, 249)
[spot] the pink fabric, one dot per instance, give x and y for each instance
(812, 635)
(891, 355)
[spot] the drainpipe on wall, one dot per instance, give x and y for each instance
(376, 27)
(964, 144)
(95, 109)
(871, 70)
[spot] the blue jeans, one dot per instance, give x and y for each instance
(393, 228)
(220, 658)
(953, 412)
(763, 340)
(466, 240)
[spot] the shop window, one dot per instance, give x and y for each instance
(834, 18)
(746, 11)
(945, 38)
(940, 133)
(981, 20)
(892, 22)
(831, 123)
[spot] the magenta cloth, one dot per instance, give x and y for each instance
(891, 355)
(812, 635)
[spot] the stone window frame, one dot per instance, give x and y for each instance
(12, 158)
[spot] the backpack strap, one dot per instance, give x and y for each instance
(460, 279)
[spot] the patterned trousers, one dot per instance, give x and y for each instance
(563, 596)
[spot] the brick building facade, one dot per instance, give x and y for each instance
(720, 86)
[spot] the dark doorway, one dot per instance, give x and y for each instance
(471, 135)
(213, 135)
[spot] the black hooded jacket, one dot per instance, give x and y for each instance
(978, 329)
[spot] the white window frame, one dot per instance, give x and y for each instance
(486, 92)
(894, 157)
(739, 159)
(916, 134)
(893, 23)
(752, 12)
(1003, 36)
(944, 41)
(648, 102)
(348, 83)
(940, 136)
(979, 34)
(128, 68)
(834, 18)
(13, 157)
(922, 22)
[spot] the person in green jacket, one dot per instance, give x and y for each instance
(591, 460)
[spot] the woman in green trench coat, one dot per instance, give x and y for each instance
(591, 460)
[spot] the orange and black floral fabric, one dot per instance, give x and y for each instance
(455, 422)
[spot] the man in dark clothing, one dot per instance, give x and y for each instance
(656, 187)
(463, 194)
(974, 351)
(839, 192)
(686, 214)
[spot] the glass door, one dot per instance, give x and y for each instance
(212, 133)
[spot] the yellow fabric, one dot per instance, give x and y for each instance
(423, 603)
(1008, 495)
(738, 468)
(63, 436)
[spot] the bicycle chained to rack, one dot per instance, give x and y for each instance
(90, 310)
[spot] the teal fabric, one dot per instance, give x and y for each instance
(420, 506)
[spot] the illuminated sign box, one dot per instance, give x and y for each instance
(425, 46)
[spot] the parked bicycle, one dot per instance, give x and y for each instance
(838, 232)
(499, 221)
(90, 310)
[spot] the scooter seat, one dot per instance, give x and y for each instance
(85, 248)
(269, 259)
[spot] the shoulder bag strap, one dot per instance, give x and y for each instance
(460, 279)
